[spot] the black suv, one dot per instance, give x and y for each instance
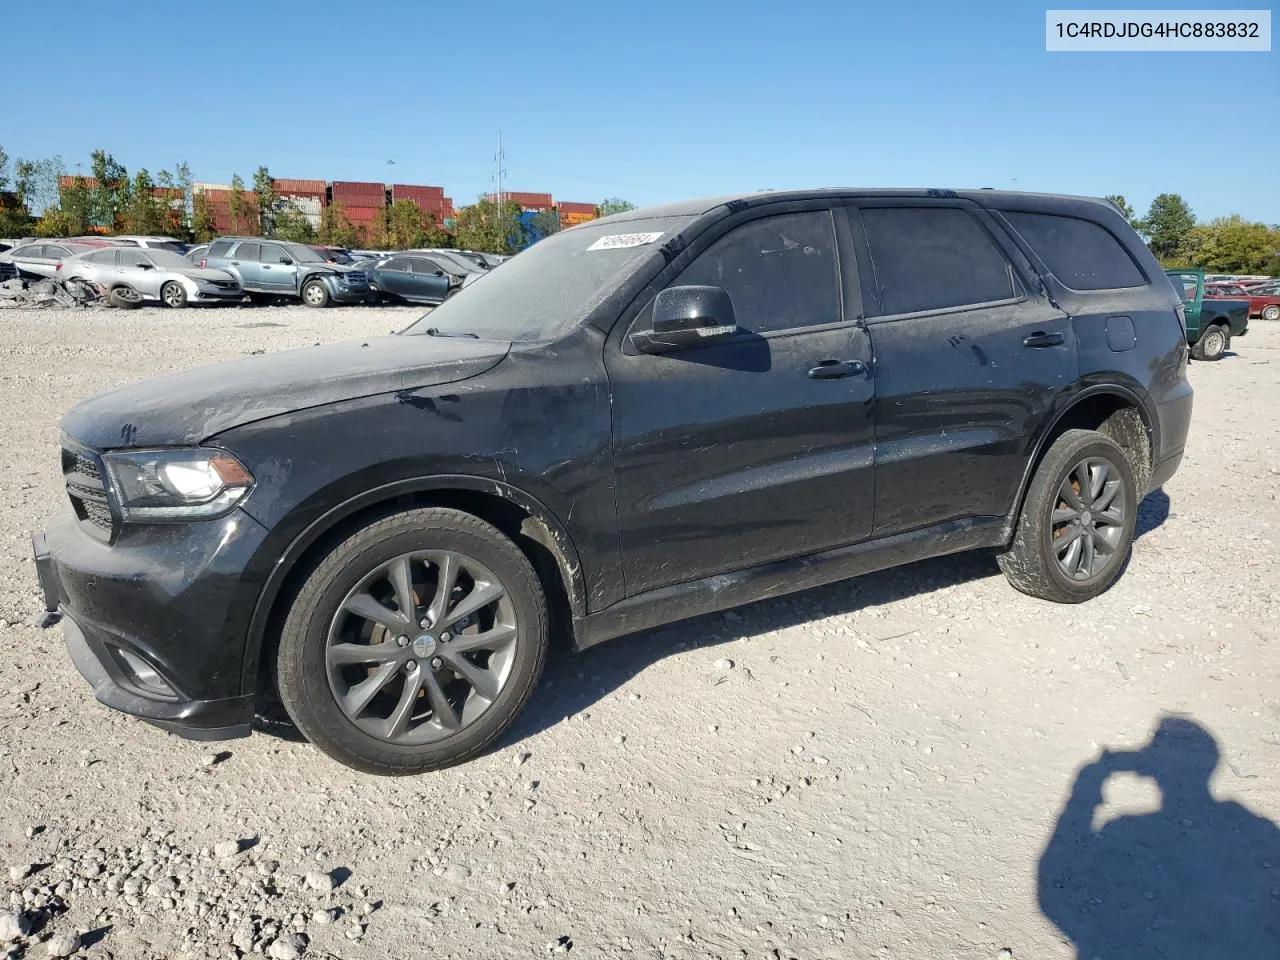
(660, 414)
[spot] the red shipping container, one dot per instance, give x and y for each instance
(568, 206)
(351, 189)
(414, 191)
(286, 187)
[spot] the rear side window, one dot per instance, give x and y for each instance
(219, 249)
(248, 251)
(932, 258)
(1081, 254)
(33, 250)
(396, 265)
(102, 257)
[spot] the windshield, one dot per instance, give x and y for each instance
(170, 261)
(173, 246)
(551, 287)
(303, 254)
(456, 261)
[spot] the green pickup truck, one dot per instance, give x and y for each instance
(1211, 321)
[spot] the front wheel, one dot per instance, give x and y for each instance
(1076, 527)
(414, 643)
(1212, 344)
(173, 294)
(1271, 312)
(315, 293)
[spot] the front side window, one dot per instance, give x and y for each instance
(273, 254)
(780, 271)
(931, 258)
(1080, 253)
(132, 257)
(424, 267)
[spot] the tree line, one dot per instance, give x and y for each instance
(1221, 245)
(35, 200)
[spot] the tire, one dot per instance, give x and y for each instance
(126, 298)
(321, 656)
(1213, 343)
(261, 299)
(173, 294)
(1038, 561)
(315, 293)
(1271, 312)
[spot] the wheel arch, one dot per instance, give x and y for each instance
(1115, 409)
(526, 520)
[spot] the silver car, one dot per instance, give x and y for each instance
(40, 258)
(131, 274)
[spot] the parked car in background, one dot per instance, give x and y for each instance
(410, 278)
(455, 261)
(277, 268)
(196, 253)
(154, 243)
(658, 415)
(41, 258)
(131, 275)
(1211, 321)
(335, 255)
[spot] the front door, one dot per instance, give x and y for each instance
(970, 360)
(278, 269)
(756, 448)
(134, 267)
(1188, 286)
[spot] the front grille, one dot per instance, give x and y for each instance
(223, 284)
(356, 278)
(82, 471)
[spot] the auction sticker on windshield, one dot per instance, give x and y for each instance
(617, 241)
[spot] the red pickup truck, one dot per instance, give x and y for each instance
(1264, 305)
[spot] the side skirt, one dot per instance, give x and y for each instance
(664, 605)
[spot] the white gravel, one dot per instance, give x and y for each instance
(869, 769)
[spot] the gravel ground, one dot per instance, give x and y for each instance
(868, 769)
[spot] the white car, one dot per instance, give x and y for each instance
(131, 275)
(40, 258)
(152, 243)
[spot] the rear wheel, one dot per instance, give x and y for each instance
(1212, 344)
(126, 298)
(315, 293)
(1076, 527)
(173, 294)
(414, 643)
(1271, 312)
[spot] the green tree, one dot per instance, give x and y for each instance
(290, 223)
(408, 226)
(76, 207)
(485, 227)
(1126, 209)
(144, 211)
(241, 216)
(173, 212)
(1167, 221)
(203, 226)
(335, 229)
(36, 183)
(613, 205)
(14, 217)
(1230, 245)
(546, 222)
(110, 191)
(265, 189)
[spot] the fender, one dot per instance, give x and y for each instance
(560, 545)
(1097, 389)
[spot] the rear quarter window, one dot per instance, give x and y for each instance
(1083, 255)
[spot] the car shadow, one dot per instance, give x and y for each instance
(1152, 513)
(1197, 878)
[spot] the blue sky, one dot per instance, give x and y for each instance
(650, 102)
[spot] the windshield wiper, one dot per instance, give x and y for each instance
(437, 332)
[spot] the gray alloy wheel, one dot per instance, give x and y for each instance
(1211, 345)
(314, 294)
(1271, 312)
(173, 294)
(1088, 520)
(421, 647)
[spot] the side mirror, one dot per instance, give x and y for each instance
(287, 261)
(144, 266)
(687, 317)
(439, 273)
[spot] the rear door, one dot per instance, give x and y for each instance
(245, 263)
(970, 359)
(277, 268)
(756, 448)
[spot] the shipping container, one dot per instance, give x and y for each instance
(534, 202)
(353, 191)
(298, 188)
(569, 206)
(414, 191)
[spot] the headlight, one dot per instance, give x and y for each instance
(176, 484)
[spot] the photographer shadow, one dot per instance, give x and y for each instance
(1199, 878)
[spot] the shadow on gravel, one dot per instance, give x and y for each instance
(1198, 878)
(1152, 512)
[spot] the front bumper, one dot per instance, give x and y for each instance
(342, 294)
(219, 296)
(157, 622)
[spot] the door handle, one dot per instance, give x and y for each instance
(834, 369)
(235, 263)
(1041, 339)
(266, 267)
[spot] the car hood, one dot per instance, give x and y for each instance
(189, 407)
